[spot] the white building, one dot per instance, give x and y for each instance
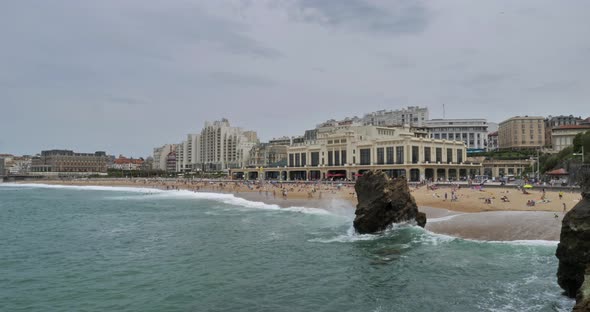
(563, 136)
(221, 147)
(413, 116)
(348, 153)
(473, 132)
(160, 154)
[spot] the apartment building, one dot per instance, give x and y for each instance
(472, 132)
(522, 132)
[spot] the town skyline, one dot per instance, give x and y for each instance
(262, 137)
(125, 76)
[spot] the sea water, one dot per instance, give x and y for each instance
(127, 249)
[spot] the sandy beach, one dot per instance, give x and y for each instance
(474, 213)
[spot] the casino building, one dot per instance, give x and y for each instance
(348, 152)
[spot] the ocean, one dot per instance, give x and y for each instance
(125, 249)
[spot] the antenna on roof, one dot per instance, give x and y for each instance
(443, 111)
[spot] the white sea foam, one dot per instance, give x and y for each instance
(350, 236)
(445, 218)
(83, 187)
(526, 242)
(229, 199)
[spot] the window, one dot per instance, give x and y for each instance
(415, 155)
(365, 156)
(291, 162)
(459, 155)
(380, 156)
(449, 155)
(399, 154)
(330, 158)
(389, 154)
(303, 159)
(438, 154)
(427, 154)
(315, 158)
(337, 158)
(343, 158)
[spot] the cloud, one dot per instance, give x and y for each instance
(397, 17)
(240, 80)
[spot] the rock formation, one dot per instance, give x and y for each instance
(383, 201)
(583, 297)
(573, 250)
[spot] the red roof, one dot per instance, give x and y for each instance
(124, 160)
(572, 127)
(560, 171)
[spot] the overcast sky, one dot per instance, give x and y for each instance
(126, 76)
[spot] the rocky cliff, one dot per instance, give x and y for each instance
(573, 250)
(383, 201)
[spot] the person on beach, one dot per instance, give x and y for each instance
(446, 195)
(564, 208)
(561, 195)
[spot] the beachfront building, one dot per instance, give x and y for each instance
(472, 132)
(414, 116)
(495, 169)
(522, 132)
(268, 154)
(222, 146)
(67, 162)
(2, 167)
(349, 152)
(552, 122)
(188, 154)
(20, 165)
(563, 136)
(160, 154)
(124, 163)
(171, 162)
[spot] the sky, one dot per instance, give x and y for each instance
(127, 76)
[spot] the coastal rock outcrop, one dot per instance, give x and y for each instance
(573, 250)
(583, 297)
(383, 201)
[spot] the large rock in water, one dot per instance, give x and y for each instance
(573, 250)
(383, 201)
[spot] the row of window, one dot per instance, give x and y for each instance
(385, 155)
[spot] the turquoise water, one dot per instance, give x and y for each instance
(101, 249)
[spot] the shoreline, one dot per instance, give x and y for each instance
(486, 223)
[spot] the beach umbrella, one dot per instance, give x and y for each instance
(528, 186)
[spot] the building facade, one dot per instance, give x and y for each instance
(414, 116)
(69, 162)
(124, 163)
(222, 146)
(493, 141)
(268, 154)
(2, 168)
(348, 153)
(552, 122)
(171, 162)
(472, 132)
(522, 132)
(160, 154)
(563, 136)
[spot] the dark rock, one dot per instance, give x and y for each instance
(573, 250)
(383, 201)
(583, 297)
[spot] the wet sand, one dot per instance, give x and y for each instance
(496, 225)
